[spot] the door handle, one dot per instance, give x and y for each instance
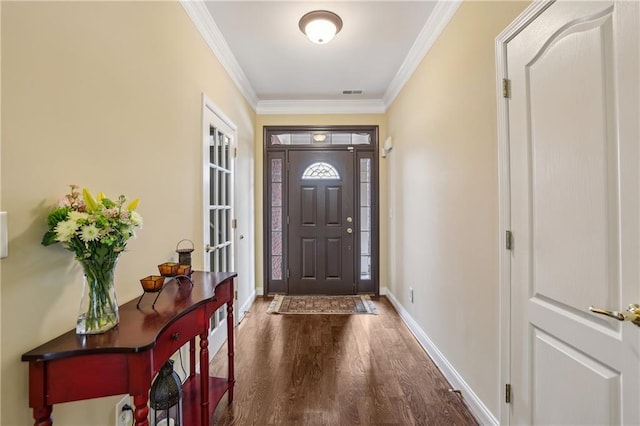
(208, 248)
(631, 314)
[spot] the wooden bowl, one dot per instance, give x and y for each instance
(168, 269)
(184, 270)
(152, 283)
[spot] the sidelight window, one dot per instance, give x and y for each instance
(276, 219)
(365, 218)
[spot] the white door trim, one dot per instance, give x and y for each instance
(504, 197)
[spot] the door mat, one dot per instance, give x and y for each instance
(322, 305)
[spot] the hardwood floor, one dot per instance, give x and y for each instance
(334, 370)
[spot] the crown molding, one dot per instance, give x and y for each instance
(201, 18)
(438, 20)
(359, 106)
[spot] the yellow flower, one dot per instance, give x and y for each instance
(133, 204)
(89, 201)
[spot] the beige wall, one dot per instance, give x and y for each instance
(444, 192)
(318, 120)
(0, 203)
(106, 95)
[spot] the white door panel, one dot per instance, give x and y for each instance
(559, 368)
(573, 153)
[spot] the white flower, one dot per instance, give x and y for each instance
(78, 216)
(65, 230)
(89, 233)
(136, 219)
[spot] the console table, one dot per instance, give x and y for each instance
(126, 358)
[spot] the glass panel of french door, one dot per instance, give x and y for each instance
(218, 200)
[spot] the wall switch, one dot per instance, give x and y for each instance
(411, 294)
(4, 236)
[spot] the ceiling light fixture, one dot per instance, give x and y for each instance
(320, 26)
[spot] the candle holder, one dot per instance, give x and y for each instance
(184, 270)
(152, 283)
(168, 269)
(157, 283)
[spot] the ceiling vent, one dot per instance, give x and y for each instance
(352, 92)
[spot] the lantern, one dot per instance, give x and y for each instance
(184, 253)
(165, 397)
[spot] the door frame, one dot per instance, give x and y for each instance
(504, 198)
(369, 151)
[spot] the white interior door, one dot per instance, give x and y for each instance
(219, 141)
(574, 161)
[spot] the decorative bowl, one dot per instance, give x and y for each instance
(168, 269)
(152, 283)
(184, 270)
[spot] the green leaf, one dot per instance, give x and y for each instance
(57, 215)
(49, 238)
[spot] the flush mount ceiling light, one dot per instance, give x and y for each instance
(320, 26)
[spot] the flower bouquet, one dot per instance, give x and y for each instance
(96, 230)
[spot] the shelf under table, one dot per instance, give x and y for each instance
(191, 397)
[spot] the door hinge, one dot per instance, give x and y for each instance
(506, 88)
(234, 223)
(235, 152)
(509, 240)
(288, 275)
(235, 294)
(287, 219)
(507, 393)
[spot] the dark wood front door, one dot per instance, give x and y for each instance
(321, 227)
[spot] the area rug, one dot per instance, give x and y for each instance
(322, 305)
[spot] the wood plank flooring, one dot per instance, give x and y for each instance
(334, 370)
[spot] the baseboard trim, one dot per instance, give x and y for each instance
(477, 407)
(245, 307)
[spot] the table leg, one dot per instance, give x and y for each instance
(204, 378)
(141, 413)
(42, 416)
(230, 349)
(192, 357)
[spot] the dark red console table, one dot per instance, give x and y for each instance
(125, 359)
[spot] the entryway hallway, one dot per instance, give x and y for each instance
(313, 370)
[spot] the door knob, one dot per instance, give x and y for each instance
(349, 230)
(631, 314)
(349, 219)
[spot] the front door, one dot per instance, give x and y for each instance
(321, 222)
(574, 160)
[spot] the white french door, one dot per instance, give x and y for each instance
(574, 161)
(219, 142)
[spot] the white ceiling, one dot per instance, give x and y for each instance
(380, 45)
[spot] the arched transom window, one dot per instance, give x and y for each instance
(320, 170)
